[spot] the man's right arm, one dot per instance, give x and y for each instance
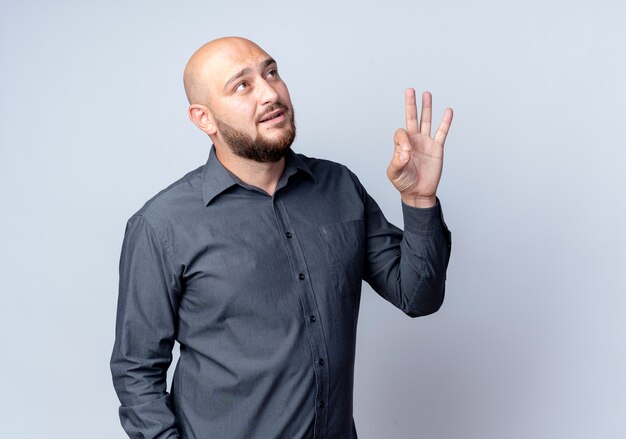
(149, 292)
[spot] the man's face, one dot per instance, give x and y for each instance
(250, 103)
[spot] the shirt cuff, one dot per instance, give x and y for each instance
(423, 220)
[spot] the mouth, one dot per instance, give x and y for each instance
(273, 117)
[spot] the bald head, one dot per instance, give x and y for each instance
(208, 64)
(238, 98)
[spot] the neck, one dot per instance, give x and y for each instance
(265, 176)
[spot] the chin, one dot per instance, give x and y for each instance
(263, 148)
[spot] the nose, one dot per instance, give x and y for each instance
(267, 93)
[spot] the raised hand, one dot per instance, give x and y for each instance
(417, 161)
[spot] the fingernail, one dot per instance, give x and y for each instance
(406, 146)
(404, 156)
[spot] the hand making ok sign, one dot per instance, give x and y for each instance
(417, 161)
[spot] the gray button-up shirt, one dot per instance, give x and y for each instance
(262, 293)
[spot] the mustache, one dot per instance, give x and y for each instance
(271, 108)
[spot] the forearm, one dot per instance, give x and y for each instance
(425, 251)
(409, 268)
(139, 362)
(142, 413)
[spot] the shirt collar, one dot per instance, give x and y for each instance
(216, 178)
(294, 163)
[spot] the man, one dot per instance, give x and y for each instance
(254, 262)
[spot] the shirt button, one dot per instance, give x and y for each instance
(288, 234)
(320, 361)
(312, 319)
(321, 404)
(301, 276)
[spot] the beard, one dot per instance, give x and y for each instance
(259, 149)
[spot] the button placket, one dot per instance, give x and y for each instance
(314, 328)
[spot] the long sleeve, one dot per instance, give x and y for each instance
(408, 269)
(149, 293)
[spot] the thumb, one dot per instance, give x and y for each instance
(401, 154)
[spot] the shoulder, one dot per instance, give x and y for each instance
(315, 163)
(176, 197)
(326, 168)
(329, 171)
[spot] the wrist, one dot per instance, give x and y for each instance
(419, 201)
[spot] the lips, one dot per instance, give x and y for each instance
(275, 113)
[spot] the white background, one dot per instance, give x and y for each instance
(531, 341)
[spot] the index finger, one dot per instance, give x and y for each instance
(410, 109)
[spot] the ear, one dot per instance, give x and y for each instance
(202, 118)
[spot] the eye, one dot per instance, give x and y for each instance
(272, 74)
(241, 86)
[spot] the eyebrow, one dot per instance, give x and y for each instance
(248, 70)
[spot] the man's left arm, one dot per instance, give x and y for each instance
(409, 269)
